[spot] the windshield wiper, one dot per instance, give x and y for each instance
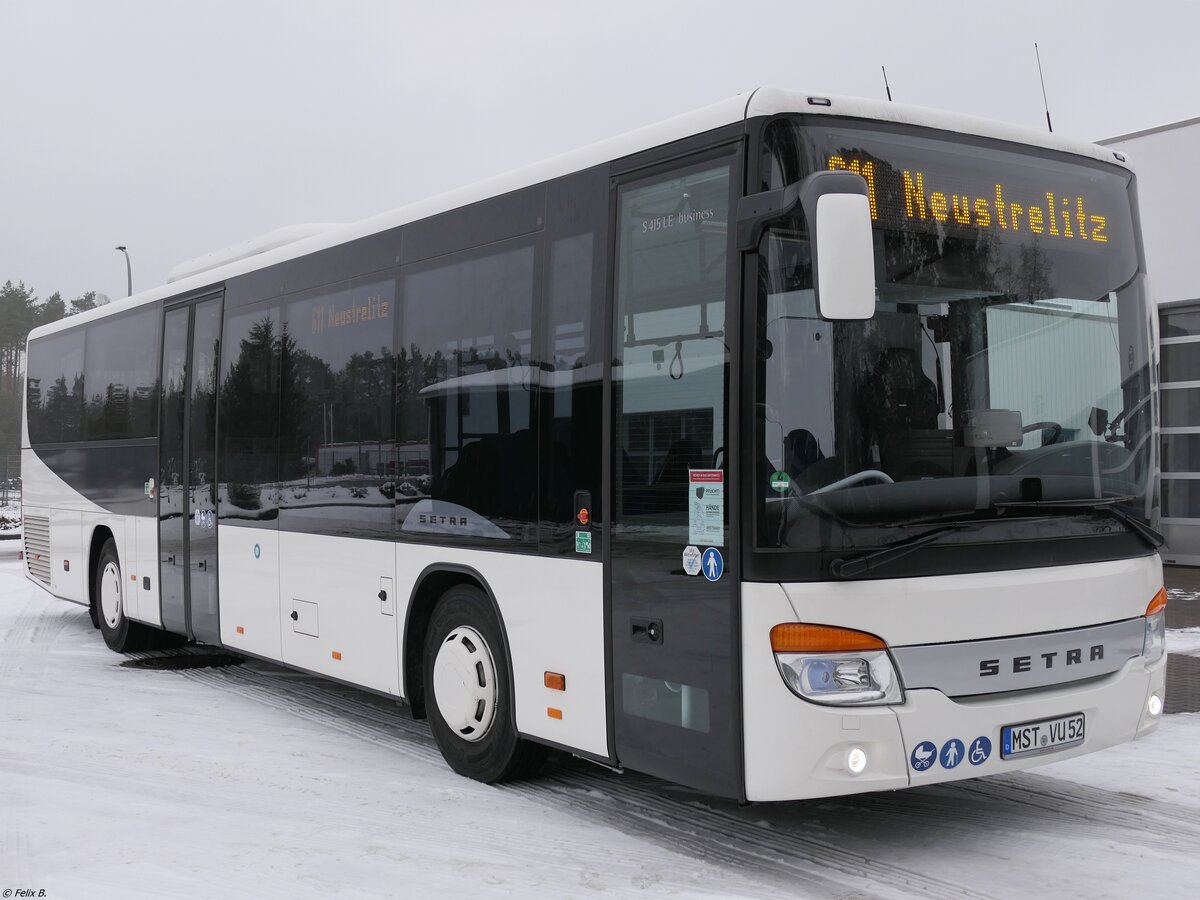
(1101, 505)
(856, 565)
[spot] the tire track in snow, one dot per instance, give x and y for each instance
(33, 627)
(630, 803)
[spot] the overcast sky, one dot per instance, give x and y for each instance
(180, 127)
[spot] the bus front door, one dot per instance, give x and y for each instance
(186, 484)
(671, 576)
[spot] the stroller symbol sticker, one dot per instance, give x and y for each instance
(923, 756)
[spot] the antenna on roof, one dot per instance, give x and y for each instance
(887, 86)
(1042, 79)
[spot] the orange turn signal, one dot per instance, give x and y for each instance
(797, 637)
(555, 681)
(553, 713)
(1159, 603)
(337, 654)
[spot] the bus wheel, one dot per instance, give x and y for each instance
(466, 677)
(119, 632)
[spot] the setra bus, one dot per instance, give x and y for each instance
(794, 447)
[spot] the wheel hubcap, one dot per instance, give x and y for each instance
(464, 683)
(110, 594)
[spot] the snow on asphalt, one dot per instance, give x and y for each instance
(254, 781)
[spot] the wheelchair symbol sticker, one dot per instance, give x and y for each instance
(981, 749)
(923, 756)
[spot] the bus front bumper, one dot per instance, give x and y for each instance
(797, 750)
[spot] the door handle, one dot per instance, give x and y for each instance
(383, 596)
(295, 616)
(649, 631)
(203, 564)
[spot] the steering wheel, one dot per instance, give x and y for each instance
(1041, 426)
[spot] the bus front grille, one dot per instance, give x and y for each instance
(37, 548)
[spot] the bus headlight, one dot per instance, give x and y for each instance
(1155, 643)
(861, 679)
(835, 666)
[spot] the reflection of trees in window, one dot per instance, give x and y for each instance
(63, 409)
(325, 410)
(249, 399)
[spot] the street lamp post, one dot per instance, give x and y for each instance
(128, 272)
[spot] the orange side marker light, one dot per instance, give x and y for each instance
(798, 637)
(555, 681)
(1159, 603)
(337, 654)
(241, 630)
(553, 713)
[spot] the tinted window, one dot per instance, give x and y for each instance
(1180, 498)
(1180, 407)
(465, 389)
(670, 359)
(337, 453)
(55, 387)
(570, 399)
(1180, 362)
(1181, 452)
(120, 375)
(1185, 323)
(249, 414)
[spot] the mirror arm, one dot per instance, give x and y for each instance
(757, 211)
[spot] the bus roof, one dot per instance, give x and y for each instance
(764, 101)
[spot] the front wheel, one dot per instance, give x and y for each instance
(108, 607)
(466, 676)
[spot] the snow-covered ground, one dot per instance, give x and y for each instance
(1184, 640)
(10, 520)
(253, 781)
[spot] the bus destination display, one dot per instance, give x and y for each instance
(919, 186)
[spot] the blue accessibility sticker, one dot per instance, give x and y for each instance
(712, 565)
(952, 753)
(923, 756)
(981, 749)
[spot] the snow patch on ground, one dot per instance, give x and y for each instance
(10, 520)
(1185, 641)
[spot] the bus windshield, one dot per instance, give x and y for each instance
(1005, 372)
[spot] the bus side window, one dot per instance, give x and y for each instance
(466, 390)
(570, 399)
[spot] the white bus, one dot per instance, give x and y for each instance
(794, 447)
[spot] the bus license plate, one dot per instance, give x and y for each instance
(1041, 737)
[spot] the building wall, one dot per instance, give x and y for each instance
(1169, 197)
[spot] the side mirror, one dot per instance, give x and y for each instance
(838, 213)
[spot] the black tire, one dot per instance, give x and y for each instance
(494, 752)
(120, 633)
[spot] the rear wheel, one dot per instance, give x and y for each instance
(466, 676)
(108, 603)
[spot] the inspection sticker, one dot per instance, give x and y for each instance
(691, 559)
(583, 542)
(706, 507)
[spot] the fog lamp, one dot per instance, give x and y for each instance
(1154, 705)
(856, 760)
